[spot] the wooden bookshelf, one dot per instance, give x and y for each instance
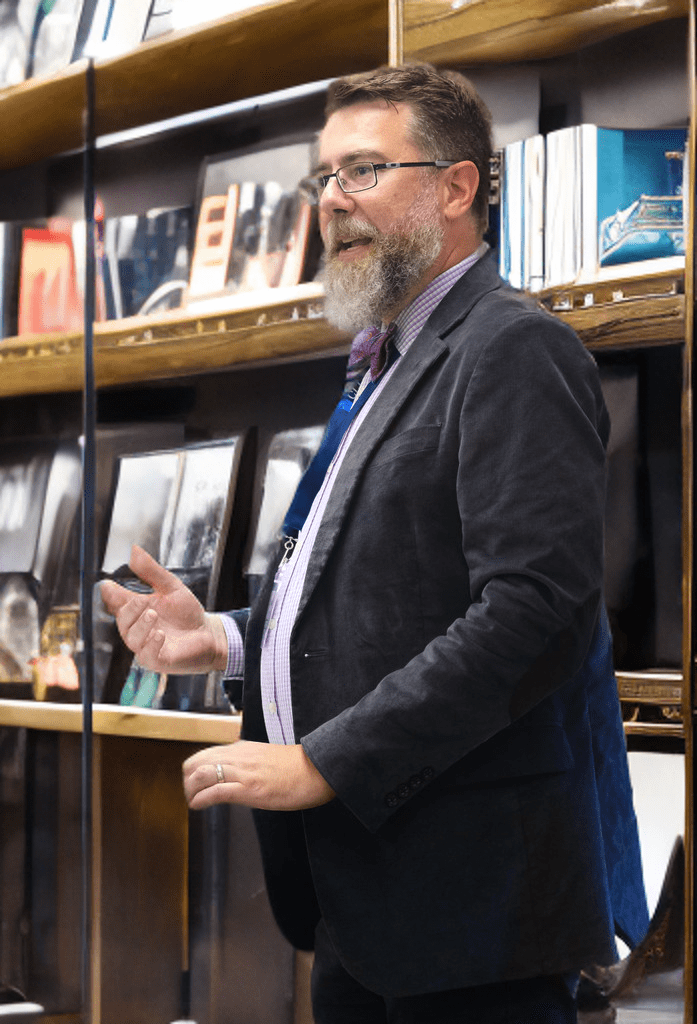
(628, 306)
(270, 47)
(113, 720)
(242, 330)
(652, 702)
(478, 31)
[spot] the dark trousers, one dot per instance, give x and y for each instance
(337, 998)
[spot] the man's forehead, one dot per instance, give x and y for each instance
(364, 131)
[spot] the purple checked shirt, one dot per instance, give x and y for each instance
(275, 653)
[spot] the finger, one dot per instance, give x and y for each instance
(207, 756)
(151, 572)
(114, 596)
(210, 796)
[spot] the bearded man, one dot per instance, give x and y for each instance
(432, 739)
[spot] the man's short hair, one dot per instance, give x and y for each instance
(450, 119)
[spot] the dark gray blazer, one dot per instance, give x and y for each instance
(439, 665)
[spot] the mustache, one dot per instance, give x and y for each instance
(340, 230)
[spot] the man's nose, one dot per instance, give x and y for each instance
(334, 199)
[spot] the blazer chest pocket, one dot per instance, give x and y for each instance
(409, 442)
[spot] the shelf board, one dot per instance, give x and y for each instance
(278, 325)
(267, 48)
(638, 305)
(281, 325)
(477, 31)
(112, 720)
(656, 729)
(654, 686)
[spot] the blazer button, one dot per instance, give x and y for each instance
(427, 773)
(391, 799)
(403, 791)
(415, 782)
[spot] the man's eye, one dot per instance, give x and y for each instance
(361, 171)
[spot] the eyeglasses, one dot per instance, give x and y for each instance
(358, 177)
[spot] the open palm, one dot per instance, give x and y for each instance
(168, 630)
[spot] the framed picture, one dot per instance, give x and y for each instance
(176, 505)
(288, 455)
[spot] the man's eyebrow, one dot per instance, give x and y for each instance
(350, 158)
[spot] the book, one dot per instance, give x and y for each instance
(52, 36)
(270, 240)
(633, 194)
(147, 259)
(9, 255)
(14, 42)
(104, 298)
(117, 26)
(563, 213)
(19, 629)
(48, 292)
(512, 215)
(253, 238)
(40, 493)
(533, 212)
(213, 244)
(613, 196)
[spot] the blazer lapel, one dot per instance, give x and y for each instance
(428, 347)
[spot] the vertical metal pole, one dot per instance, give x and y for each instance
(395, 41)
(87, 560)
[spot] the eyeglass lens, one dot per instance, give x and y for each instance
(356, 177)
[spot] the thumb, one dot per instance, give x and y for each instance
(114, 596)
(151, 572)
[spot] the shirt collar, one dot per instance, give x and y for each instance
(410, 321)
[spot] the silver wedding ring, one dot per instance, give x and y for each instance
(219, 773)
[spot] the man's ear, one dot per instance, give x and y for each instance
(461, 181)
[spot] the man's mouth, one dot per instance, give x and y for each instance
(344, 244)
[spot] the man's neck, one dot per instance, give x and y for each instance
(441, 266)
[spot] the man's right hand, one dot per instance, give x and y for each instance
(167, 630)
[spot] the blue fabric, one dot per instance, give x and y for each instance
(341, 418)
(618, 820)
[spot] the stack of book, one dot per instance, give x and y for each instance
(40, 37)
(584, 198)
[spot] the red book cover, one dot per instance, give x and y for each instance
(48, 294)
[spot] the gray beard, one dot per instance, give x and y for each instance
(373, 289)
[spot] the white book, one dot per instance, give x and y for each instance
(589, 200)
(534, 212)
(562, 232)
(512, 214)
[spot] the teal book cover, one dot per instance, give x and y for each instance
(639, 194)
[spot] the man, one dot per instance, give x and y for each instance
(429, 699)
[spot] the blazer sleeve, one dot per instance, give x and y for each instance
(530, 480)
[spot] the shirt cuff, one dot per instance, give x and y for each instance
(235, 648)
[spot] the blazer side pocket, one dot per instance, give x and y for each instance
(542, 750)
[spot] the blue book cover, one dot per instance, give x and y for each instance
(639, 212)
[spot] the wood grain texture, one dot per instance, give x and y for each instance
(112, 720)
(478, 31)
(261, 328)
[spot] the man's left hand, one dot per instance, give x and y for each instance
(269, 776)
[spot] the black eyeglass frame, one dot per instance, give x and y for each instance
(314, 187)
